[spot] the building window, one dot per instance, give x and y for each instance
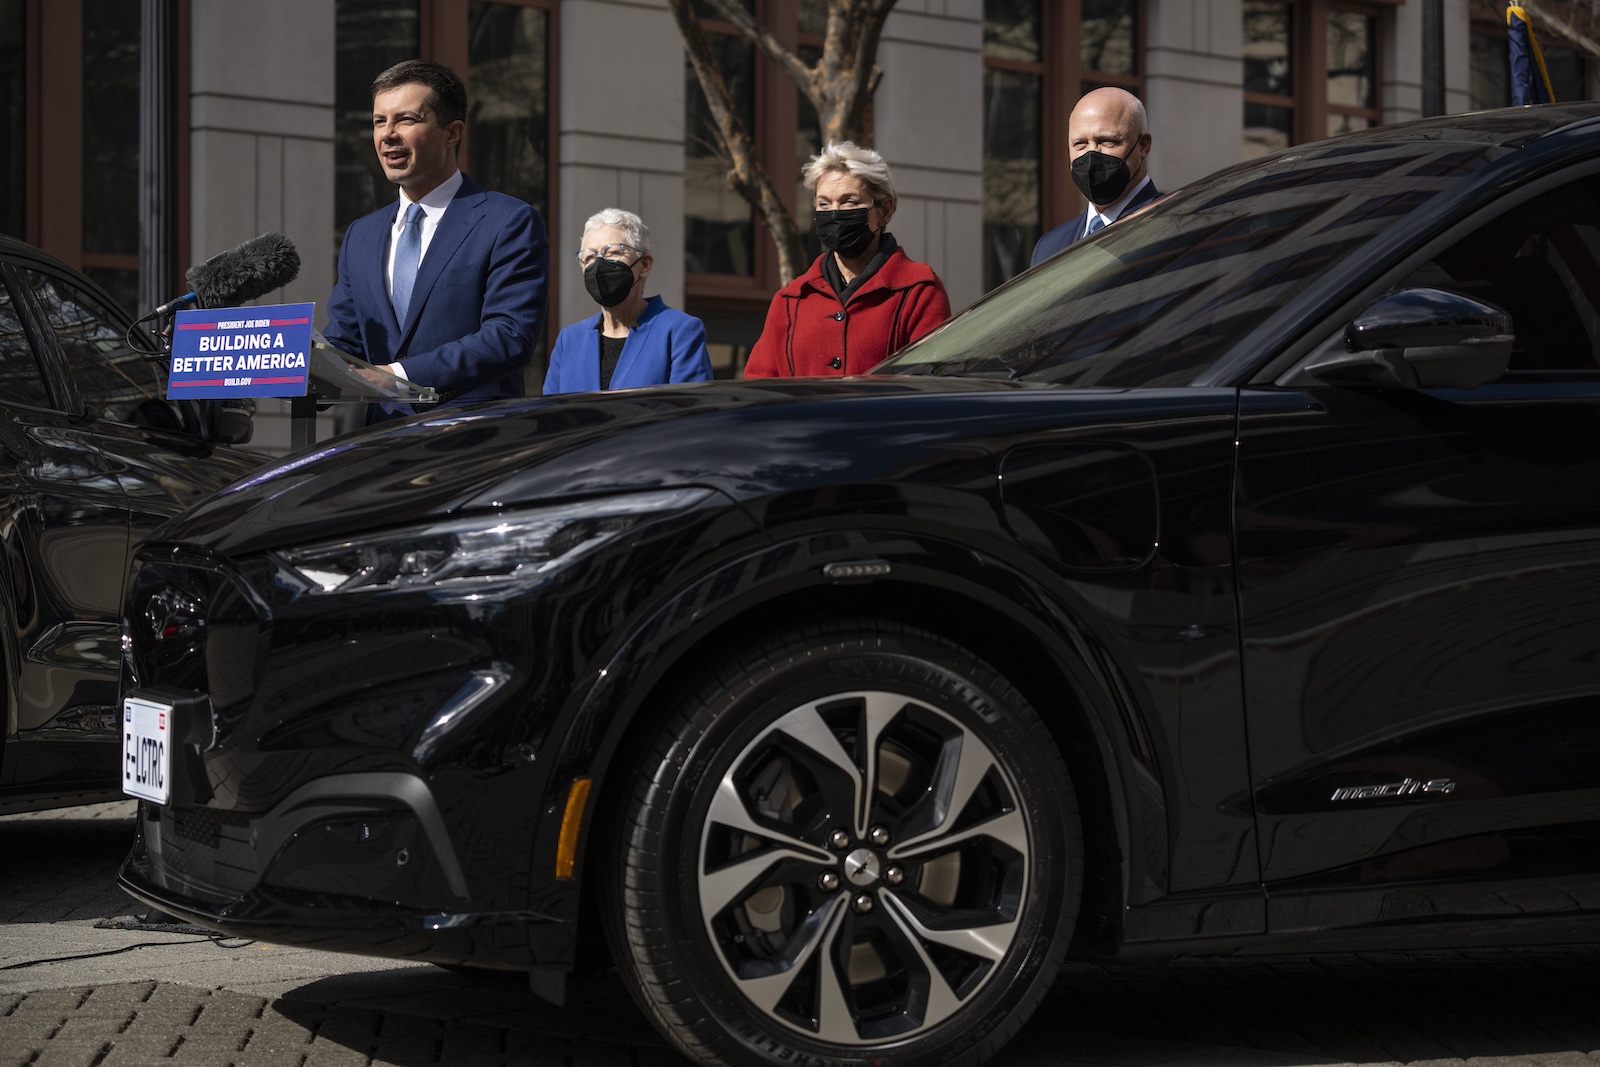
(370, 36)
(508, 68)
(1310, 72)
(1038, 58)
(111, 147)
(1352, 71)
(719, 224)
(13, 118)
(730, 262)
(1013, 135)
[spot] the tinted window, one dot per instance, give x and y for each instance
(1541, 262)
(114, 381)
(1159, 297)
(20, 379)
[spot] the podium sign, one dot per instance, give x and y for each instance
(238, 352)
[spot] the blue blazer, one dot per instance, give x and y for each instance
(477, 308)
(1072, 232)
(667, 346)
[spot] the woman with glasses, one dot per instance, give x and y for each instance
(863, 298)
(634, 340)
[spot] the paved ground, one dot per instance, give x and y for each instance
(74, 993)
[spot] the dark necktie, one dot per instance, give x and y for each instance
(407, 256)
(1096, 221)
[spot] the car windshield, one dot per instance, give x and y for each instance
(1157, 298)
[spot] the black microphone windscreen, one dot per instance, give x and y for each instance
(251, 270)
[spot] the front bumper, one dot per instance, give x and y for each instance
(338, 864)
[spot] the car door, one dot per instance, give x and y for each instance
(65, 544)
(1419, 584)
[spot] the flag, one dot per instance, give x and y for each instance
(1530, 82)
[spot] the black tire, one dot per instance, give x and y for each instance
(939, 943)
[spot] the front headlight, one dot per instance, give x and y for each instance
(463, 553)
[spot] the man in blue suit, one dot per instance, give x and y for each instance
(447, 288)
(1109, 139)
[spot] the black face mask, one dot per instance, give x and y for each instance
(845, 232)
(1100, 177)
(608, 281)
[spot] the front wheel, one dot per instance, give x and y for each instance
(856, 843)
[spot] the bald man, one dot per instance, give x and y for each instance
(1110, 144)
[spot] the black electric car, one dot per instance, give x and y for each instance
(92, 458)
(1229, 583)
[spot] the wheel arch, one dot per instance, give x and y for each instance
(1034, 652)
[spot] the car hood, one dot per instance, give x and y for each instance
(745, 439)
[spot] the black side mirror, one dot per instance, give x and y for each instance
(1421, 339)
(232, 421)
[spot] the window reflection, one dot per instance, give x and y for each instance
(719, 223)
(1013, 144)
(1012, 30)
(370, 36)
(807, 143)
(20, 379)
(1110, 35)
(1266, 129)
(1012, 140)
(1491, 72)
(114, 381)
(1569, 73)
(111, 142)
(1268, 46)
(1351, 70)
(508, 70)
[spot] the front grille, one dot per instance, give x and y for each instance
(209, 850)
(203, 826)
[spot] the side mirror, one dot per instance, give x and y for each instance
(233, 421)
(1421, 339)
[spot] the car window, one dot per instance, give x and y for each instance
(1157, 298)
(1540, 262)
(114, 381)
(21, 381)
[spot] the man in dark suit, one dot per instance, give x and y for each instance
(446, 288)
(1109, 140)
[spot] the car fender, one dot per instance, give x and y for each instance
(616, 709)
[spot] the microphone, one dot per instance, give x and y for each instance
(255, 268)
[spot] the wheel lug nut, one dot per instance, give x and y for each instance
(838, 839)
(878, 836)
(894, 876)
(827, 881)
(862, 903)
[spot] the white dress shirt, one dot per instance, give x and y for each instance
(1111, 212)
(434, 205)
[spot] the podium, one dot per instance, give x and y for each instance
(336, 377)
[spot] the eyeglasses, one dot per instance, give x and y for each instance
(616, 252)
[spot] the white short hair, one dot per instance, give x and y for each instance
(846, 157)
(631, 225)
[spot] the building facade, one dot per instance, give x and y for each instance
(579, 105)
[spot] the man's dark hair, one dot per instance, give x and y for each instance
(447, 96)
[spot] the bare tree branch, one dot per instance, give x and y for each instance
(746, 175)
(1561, 29)
(733, 12)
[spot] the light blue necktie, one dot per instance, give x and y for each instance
(407, 256)
(1096, 222)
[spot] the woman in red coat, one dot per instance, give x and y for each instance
(862, 299)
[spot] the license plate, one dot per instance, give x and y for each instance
(146, 749)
